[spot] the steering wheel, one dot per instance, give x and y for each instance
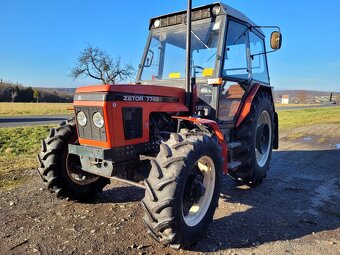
(197, 67)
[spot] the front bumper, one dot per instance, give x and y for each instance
(118, 154)
(100, 161)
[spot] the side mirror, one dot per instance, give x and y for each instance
(276, 40)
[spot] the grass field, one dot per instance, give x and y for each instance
(291, 119)
(294, 105)
(18, 149)
(19, 146)
(16, 109)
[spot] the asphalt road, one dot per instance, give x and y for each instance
(34, 120)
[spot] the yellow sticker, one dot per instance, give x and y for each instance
(174, 75)
(208, 72)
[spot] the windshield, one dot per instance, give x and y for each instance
(165, 58)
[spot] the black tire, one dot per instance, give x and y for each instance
(252, 170)
(59, 170)
(168, 192)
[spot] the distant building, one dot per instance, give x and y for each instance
(285, 99)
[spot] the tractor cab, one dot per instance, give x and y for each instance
(228, 56)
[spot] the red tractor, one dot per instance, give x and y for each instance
(192, 122)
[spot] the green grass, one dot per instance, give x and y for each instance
(18, 150)
(289, 119)
(294, 105)
(17, 109)
(21, 141)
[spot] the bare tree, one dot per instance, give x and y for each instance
(95, 63)
(36, 95)
(14, 93)
(302, 96)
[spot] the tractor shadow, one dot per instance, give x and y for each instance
(117, 192)
(296, 200)
(116, 195)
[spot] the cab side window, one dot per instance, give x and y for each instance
(235, 62)
(258, 58)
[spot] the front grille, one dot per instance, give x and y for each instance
(133, 122)
(90, 131)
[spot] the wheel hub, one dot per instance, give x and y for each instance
(74, 171)
(195, 188)
(198, 191)
(262, 138)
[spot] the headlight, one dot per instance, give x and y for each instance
(216, 10)
(81, 118)
(98, 120)
(157, 23)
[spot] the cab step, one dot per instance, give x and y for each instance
(233, 165)
(233, 145)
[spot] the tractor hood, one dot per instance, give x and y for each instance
(130, 93)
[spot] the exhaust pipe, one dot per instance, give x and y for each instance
(188, 89)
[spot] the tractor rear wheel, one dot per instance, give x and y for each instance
(61, 172)
(183, 188)
(256, 135)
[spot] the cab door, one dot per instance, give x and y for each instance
(244, 64)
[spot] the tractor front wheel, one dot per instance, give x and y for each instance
(61, 172)
(183, 188)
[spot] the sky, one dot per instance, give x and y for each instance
(40, 40)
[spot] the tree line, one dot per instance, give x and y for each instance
(16, 92)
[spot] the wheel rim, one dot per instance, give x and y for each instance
(195, 207)
(74, 171)
(263, 138)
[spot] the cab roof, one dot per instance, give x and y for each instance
(225, 9)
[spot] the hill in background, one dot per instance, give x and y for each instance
(15, 92)
(305, 96)
(65, 93)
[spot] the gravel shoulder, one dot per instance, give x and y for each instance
(295, 211)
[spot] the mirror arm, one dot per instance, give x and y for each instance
(276, 27)
(262, 53)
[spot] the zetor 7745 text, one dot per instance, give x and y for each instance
(201, 106)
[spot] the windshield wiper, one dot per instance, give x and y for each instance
(200, 40)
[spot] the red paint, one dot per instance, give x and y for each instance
(247, 105)
(135, 89)
(113, 113)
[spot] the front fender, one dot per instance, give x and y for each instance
(210, 123)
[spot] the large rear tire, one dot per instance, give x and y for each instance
(183, 188)
(60, 171)
(256, 135)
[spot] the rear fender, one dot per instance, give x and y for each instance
(245, 110)
(246, 107)
(217, 131)
(276, 135)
